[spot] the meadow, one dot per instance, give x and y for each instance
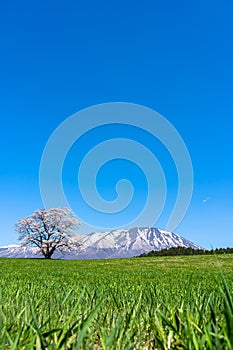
(139, 303)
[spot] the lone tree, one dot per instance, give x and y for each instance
(49, 230)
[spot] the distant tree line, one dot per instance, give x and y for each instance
(187, 251)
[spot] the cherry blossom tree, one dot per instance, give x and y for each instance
(48, 230)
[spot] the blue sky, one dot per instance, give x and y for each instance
(58, 57)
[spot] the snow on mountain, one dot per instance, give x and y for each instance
(15, 251)
(128, 243)
(114, 244)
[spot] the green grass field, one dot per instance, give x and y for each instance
(140, 303)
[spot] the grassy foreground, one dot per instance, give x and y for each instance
(143, 303)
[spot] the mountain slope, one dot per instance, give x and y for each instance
(15, 251)
(128, 243)
(113, 244)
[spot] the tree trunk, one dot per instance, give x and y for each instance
(47, 254)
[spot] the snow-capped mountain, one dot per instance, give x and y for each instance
(113, 244)
(15, 251)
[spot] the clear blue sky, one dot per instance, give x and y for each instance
(58, 57)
